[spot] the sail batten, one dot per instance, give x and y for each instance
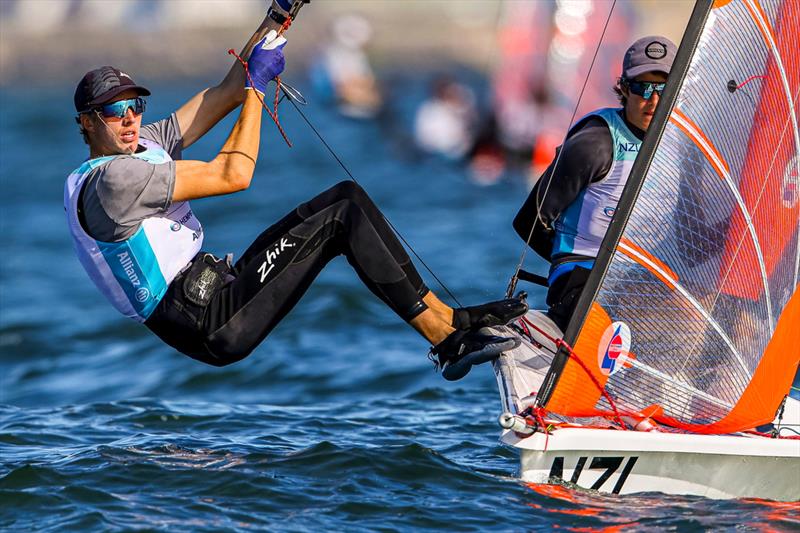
(769, 36)
(647, 260)
(693, 304)
(721, 167)
(693, 132)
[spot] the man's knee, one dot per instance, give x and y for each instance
(220, 350)
(350, 190)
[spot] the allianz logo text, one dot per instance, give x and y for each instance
(127, 265)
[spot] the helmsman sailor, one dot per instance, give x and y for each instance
(570, 208)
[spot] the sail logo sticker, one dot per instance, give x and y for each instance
(614, 348)
(790, 192)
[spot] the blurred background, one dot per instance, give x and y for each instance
(500, 79)
(446, 111)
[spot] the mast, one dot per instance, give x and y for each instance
(633, 186)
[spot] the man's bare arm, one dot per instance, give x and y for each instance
(232, 169)
(204, 110)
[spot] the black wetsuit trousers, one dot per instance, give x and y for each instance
(563, 294)
(218, 313)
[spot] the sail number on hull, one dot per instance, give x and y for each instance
(609, 464)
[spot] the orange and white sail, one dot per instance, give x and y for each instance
(696, 308)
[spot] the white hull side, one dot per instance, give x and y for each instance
(631, 462)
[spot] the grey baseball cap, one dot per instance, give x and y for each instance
(653, 53)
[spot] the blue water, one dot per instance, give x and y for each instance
(336, 422)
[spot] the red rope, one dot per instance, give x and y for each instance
(748, 80)
(525, 329)
(606, 395)
(538, 415)
(540, 330)
(560, 343)
(272, 114)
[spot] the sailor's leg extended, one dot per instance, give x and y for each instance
(377, 222)
(277, 269)
(371, 247)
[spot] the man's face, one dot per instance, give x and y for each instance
(638, 110)
(114, 135)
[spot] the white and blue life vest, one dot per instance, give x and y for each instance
(581, 227)
(134, 274)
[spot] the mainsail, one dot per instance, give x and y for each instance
(692, 313)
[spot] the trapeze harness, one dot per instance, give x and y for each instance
(218, 312)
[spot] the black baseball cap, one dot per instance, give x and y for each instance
(649, 54)
(101, 85)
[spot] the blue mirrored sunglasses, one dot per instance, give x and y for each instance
(120, 108)
(645, 89)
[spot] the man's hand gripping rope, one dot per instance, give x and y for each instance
(266, 62)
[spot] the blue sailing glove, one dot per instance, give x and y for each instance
(266, 61)
(282, 6)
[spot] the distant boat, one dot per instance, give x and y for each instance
(674, 374)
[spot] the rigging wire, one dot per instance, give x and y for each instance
(292, 94)
(512, 283)
(350, 175)
(330, 150)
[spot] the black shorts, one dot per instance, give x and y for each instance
(563, 294)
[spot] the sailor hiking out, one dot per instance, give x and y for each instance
(566, 215)
(136, 235)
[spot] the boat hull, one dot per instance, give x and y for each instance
(626, 462)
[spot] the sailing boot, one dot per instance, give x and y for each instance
(488, 315)
(461, 350)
